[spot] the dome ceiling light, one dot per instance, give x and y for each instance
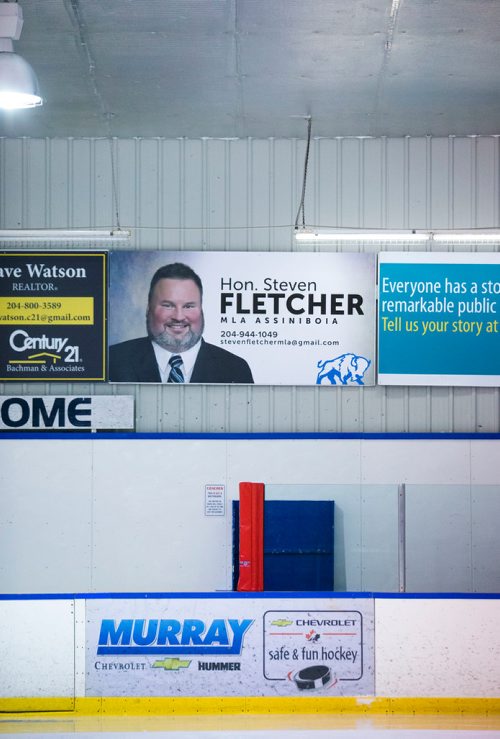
(18, 82)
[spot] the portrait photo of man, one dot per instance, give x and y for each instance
(174, 350)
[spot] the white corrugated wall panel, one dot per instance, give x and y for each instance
(243, 194)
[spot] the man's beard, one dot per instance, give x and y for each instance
(173, 344)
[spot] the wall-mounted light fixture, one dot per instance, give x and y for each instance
(18, 82)
(63, 235)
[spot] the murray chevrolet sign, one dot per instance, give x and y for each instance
(172, 636)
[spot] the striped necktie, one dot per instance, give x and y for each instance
(175, 375)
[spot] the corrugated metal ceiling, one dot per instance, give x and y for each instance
(238, 68)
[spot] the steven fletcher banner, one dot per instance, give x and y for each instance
(230, 647)
(241, 317)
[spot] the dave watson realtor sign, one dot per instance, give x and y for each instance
(269, 318)
(439, 318)
(230, 647)
(52, 316)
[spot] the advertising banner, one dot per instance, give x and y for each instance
(230, 647)
(53, 316)
(67, 412)
(439, 317)
(265, 318)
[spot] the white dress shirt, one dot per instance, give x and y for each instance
(188, 360)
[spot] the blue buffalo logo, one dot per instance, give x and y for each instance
(347, 369)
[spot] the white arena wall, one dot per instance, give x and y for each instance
(127, 513)
(424, 647)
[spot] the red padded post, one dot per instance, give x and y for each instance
(251, 576)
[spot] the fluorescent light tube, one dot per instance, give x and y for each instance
(381, 236)
(58, 235)
(463, 237)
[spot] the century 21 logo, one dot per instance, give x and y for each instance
(21, 341)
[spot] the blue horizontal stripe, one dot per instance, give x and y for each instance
(97, 436)
(231, 595)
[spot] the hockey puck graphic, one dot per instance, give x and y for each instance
(312, 678)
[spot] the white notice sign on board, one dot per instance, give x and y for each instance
(215, 500)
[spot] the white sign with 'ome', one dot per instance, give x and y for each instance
(79, 413)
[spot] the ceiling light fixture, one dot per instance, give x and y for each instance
(64, 235)
(314, 234)
(391, 236)
(467, 237)
(18, 82)
(382, 236)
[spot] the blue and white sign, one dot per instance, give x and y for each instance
(439, 319)
(203, 646)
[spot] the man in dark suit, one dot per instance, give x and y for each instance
(174, 350)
